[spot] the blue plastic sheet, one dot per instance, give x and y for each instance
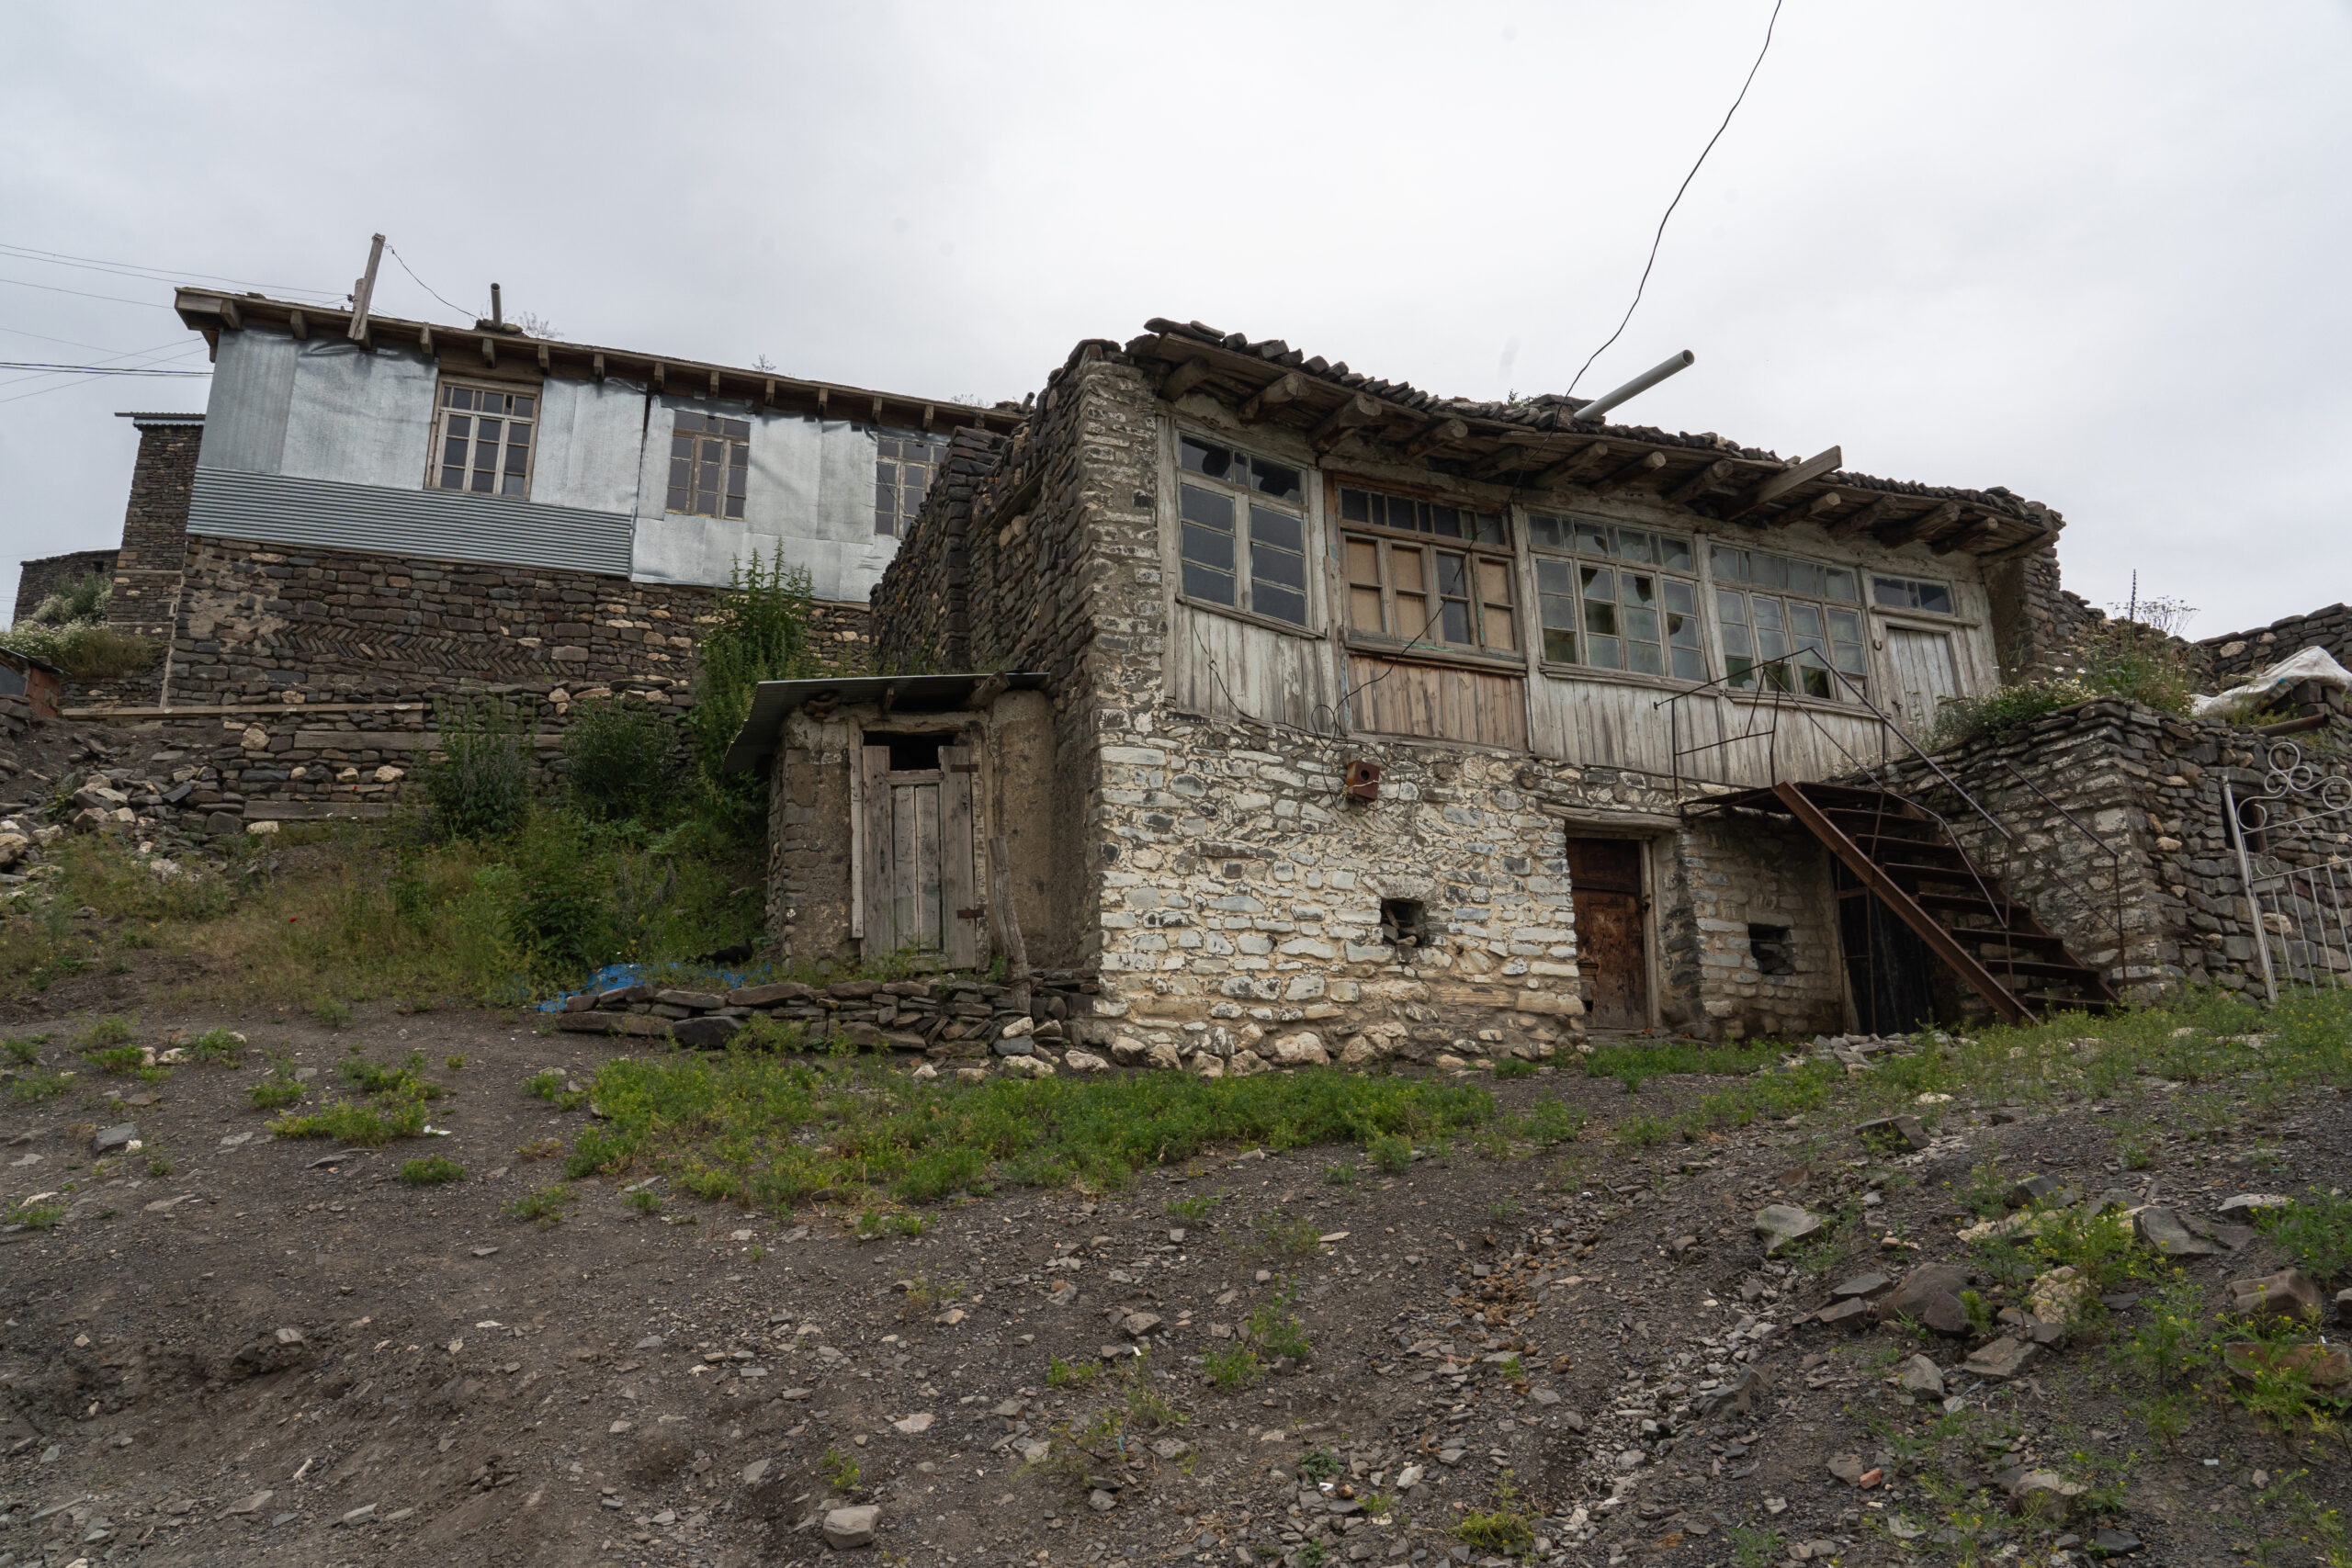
(615, 975)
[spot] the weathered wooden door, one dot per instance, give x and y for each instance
(1924, 675)
(1605, 888)
(920, 883)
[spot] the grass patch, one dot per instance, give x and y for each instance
(37, 1216)
(1634, 1066)
(370, 1123)
(1234, 1367)
(274, 1093)
(2315, 1230)
(1507, 1526)
(431, 1171)
(554, 1086)
(223, 1046)
(545, 1205)
(1514, 1067)
(772, 1132)
(1194, 1209)
(26, 1087)
(405, 1079)
(1071, 1374)
(22, 1050)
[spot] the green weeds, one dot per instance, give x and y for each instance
(1233, 1369)
(545, 1205)
(840, 1470)
(2315, 1230)
(1194, 1209)
(275, 1092)
(1071, 1374)
(1391, 1154)
(370, 1124)
(23, 1052)
(224, 1047)
(1507, 1526)
(431, 1171)
(26, 1087)
(554, 1086)
(1514, 1067)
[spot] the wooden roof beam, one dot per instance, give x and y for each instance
(1910, 528)
(1968, 536)
(1437, 434)
(1185, 376)
(1854, 521)
(1355, 410)
(1640, 469)
(1590, 457)
(1780, 484)
(1702, 480)
(1510, 456)
(1283, 390)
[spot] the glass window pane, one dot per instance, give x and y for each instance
(1554, 577)
(1768, 612)
(886, 448)
(1641, 624)
(1605, 653)
(1445, 522)
(1203, 458)
(454, 478)
(483, 479)
(1682, 597)
(682, 446)
(1277, 528)
(1286, 568)
(1454, 618)
(1545, 530)
(735, 479)
(1688, 665)
(686, 422)
(1891, 592)
(518, 459)
(1453, 575)
(1808, 580)
(1283, 603)
(1736, 640)
(680, 499)
(1205, 582)
(453, 450)
(1593, 538)
(1601, 619)
(460, 425)
(1356, 506)
(1768, 571)
(1634, 545)
(1674, 553)
(1731, 608)
(741, 429)
(1804, 620)
(1847, 625)
(886, 473)
(522, 407)
(1274, 479)
(1639, 589)
(1558, 609)
(1839, 585)
(512, 483)
(1645, 658)
(1772, 644)
(1210, 546)
(1682, 631)
(1817, 683)
(1935, 597)
(885, 523)
(1729, 565)
(1205, 507)
(1847, 656)
(1490, 528)
(886, 498)
(1600, 582)
(1560, 645)
(458, 397)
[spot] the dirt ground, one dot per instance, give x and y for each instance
(253, 1350)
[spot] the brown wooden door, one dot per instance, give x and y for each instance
(921, 887)
(1605, 887)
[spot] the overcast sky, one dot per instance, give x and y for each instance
(2097, 253)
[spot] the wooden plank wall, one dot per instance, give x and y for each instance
(1439, 700)
(1226, 668)
(959, 893)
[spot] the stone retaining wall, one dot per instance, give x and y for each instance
(36, 580)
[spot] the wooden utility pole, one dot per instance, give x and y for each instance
(363, 293)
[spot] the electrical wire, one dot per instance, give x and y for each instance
(427, 286)
(82, 293)
(1685, 186)
(60, 384)
(50, 369)
(156, 274)
(76, 343)
(158, 353)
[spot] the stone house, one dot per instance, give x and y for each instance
(373, 512)
(1302, 700)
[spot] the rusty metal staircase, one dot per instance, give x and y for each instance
(1904, 855)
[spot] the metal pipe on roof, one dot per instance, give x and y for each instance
(1637, 386)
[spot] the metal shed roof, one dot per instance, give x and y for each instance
(773, 701)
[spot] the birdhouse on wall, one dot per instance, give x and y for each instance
(1363, 781)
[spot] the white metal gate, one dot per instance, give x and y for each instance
(2294, 852)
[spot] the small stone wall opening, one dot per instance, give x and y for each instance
(1773, 948)
(911, 752)
(1403, 922)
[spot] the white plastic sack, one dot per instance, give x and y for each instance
(2311, 664)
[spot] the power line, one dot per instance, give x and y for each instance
(427, 286)
(175, 349)
(75, 342)
(136, 269)
(82, 294)
(91, 369)
(59, 384)
(1685, 186)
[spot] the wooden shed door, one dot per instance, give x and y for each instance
(920, 885)
(1605, 888)
(1924, 675)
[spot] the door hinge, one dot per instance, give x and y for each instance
(967, 914)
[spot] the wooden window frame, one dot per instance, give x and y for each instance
(1243, 499)
(1939, 617)
(1585, 561)
(900, 516)
(1838, 693)
(731, 506)
(435, 464)
(1485, 563)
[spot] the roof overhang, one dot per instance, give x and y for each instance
(775, 701)
(213, 311)
(1544, 445)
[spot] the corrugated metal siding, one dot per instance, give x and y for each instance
(274, 509)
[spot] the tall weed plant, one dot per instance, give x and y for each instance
(761, 634)
(620, 761)
(479, 782)
(2114, 658)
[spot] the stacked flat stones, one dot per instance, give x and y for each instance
(944, 1018)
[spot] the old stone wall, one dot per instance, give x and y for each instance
(2235, 656)
(1728, 878)
(36, 580)
(922, 606)
(154, 530)
(2129, 857)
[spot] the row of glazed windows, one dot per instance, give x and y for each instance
(1429, 575)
